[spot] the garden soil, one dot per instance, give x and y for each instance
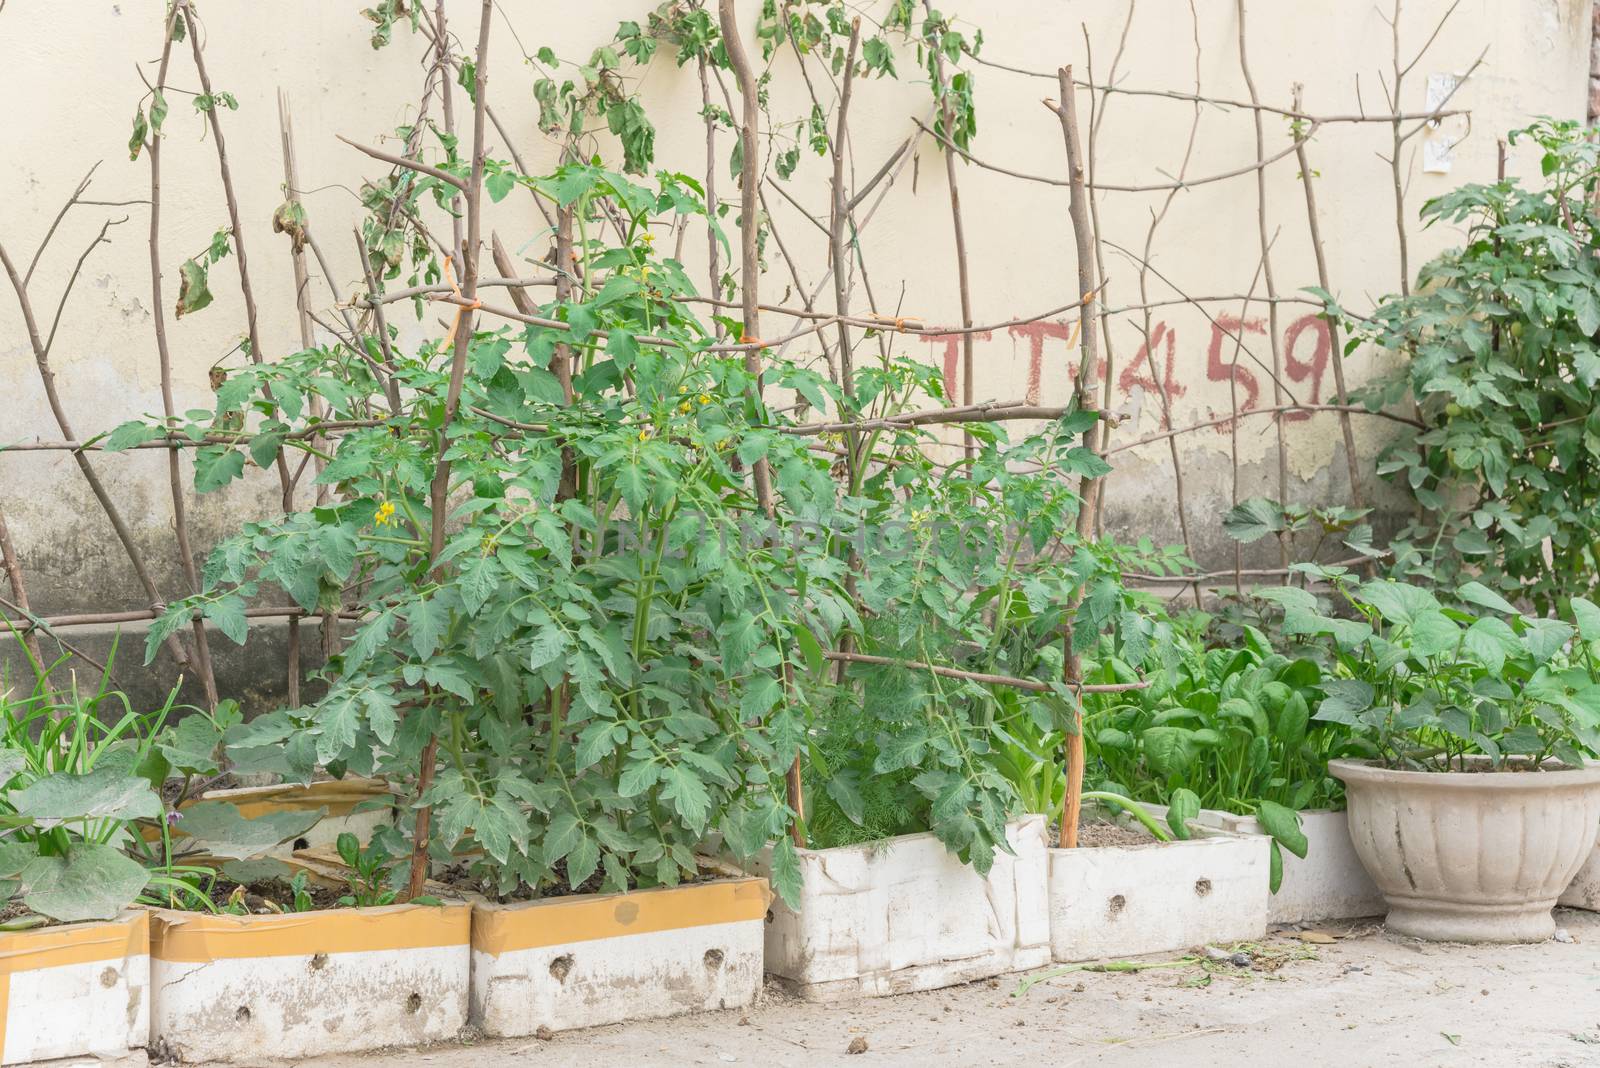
(1344, 995)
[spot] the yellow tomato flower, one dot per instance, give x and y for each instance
(384, 515)
(703, 399)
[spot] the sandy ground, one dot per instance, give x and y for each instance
(1364, 999)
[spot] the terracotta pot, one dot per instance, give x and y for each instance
(1471, 856)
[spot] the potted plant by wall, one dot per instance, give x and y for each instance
(1478, 807)
(1234, 727)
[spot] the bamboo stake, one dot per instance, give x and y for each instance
(1097, 116)
(302, 303)
(1031, 685)
(1157, 378)
(1078, 215)
(713, 248)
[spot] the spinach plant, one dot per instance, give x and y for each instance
(1229, 728)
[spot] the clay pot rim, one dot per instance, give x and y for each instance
(1369, 772)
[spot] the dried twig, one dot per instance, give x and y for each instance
(11, 564)
(1031, 685)
(439, 491)
(749, 291)
(1266, 271)
(942, 91)
(1336, 351)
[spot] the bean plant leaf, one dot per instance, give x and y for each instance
(1545, 638)
(91, 882)
(1346, 700)
(223, 831)
(104, 793)
(245, 872)
(1274, 867)
(1587, 615)
(11, 762)
(1398, 602)
(1482, 596)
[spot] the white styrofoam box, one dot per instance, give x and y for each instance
(353, 805)
(77, 990)
(1329, 884)
(906, 914)
(1584, 892)
(1122, 901)
(243, 989)
(593, 959)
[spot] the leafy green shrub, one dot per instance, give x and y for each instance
(1425, 684)
(1503, 365)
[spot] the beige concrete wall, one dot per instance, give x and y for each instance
(71, 83)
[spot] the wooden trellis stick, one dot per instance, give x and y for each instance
(169, 406)
(948, 111)
(750, 297)
(463, 327)
(1266, 272)
(1336, 351)
(41, 358)
(1078, 215)
(11, 564)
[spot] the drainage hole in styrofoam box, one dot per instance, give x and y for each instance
(561, 967)
(713, 959)
(1202, 887)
